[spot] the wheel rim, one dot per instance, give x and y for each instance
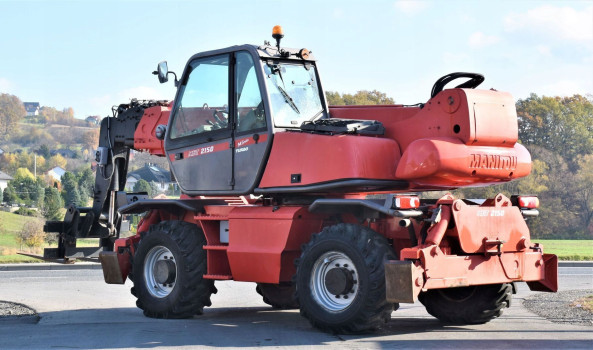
(160, 271)
(336, 296)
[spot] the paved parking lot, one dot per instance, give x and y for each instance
(78, 310)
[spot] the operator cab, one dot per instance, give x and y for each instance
(228, 106)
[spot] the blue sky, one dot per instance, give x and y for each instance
(90, 55)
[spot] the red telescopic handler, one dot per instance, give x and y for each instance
(321, 206)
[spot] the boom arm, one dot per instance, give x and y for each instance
(117, 137)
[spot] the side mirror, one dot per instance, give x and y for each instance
(162, 72)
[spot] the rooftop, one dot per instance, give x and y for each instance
(151, 173)
(5, 176)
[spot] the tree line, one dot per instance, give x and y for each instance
(34, 192)
(12, 112)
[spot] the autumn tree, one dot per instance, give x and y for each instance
(563, 125)
(31, 234)
(11, 112)
(363, 97)
(57, 160)
(583, 195)
(25, 188)
(90, 139)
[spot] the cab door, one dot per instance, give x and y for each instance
(252, 137)
(199, 140)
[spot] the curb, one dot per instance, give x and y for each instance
(575, 264)
(49, 266)
(97, 266)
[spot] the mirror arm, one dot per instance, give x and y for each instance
(176, 82)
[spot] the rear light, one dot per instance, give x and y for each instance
(406, 202)
(529, 202)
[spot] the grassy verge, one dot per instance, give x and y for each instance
(10, 225)
(585, 303)
(575, 250)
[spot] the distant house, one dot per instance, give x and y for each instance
(150, 173)
(66, 153)
(4, 178)
(32, 108)
(93, 119)
(56, 173)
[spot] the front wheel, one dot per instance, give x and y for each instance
(467, 305)
(168, 269)
(341, 279)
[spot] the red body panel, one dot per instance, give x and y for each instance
(322, 158)
(144, 137)
(498, 241)
(484, 118)
(448, 163)
(263, 242)
(480, 227)
(460, 138)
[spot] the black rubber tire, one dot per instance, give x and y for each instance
(368, 251)
(191, 291)
(279, 296)
(467, 305)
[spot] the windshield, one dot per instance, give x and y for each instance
(294, 93)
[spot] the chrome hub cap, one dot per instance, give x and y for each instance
(334, 281)
(160, 271)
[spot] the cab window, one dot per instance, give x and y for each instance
(250, 108)
(203, 99)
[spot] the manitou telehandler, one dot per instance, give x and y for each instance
(318, 205)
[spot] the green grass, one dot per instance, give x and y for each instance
(10, 225)
(18, 259)
(576, 250)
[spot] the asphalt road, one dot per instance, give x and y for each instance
(79, 311)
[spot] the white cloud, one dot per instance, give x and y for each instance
(543, 50)
(338, 13)
(564, 23)
(410, 7)
(5, 85)
(479, 39)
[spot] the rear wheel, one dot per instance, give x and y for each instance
(341, 279)
(168, 269)
(279, 296)
(467, 305)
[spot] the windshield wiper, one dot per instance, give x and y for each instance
(288, 99)
(317, 114)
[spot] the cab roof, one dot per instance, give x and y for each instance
(265, 51)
